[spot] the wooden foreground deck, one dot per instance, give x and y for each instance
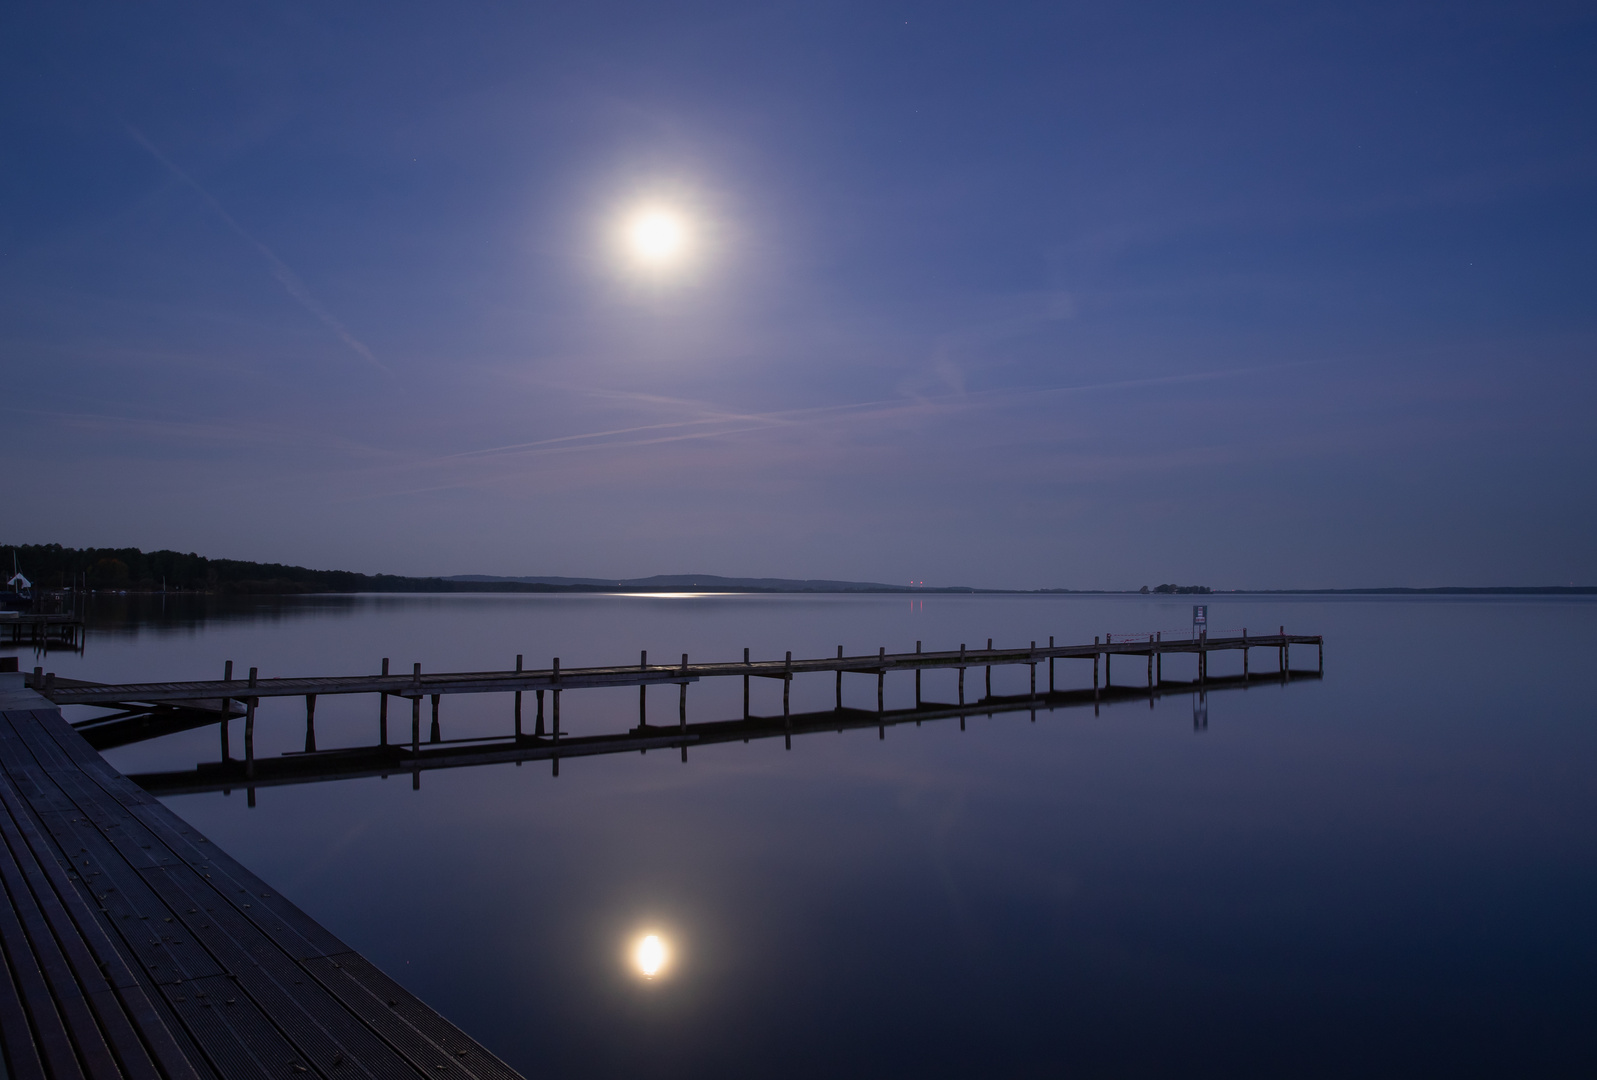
(134, 948)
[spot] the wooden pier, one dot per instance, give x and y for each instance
(134, 948)
(416, 684)
(148, 709)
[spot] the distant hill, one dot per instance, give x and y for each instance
(714, 581)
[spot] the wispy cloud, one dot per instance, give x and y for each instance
(725, 423)
(290, 281)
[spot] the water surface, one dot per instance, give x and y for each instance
(1390, 871)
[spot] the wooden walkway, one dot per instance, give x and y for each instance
(134, 948)
(416, 684)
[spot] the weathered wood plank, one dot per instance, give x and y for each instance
(96, 966)
(134, 948)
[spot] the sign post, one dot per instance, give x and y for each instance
(1200, 620)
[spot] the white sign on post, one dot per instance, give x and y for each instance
(1200, 619)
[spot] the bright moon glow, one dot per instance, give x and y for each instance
(657, 237)
(650, 956)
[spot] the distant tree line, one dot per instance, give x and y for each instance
(51, 566)
(1182, 590)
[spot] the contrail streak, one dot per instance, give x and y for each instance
(285, 277)
(789, 417)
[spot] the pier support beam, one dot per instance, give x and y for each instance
(989, 670)
(310, 723)
(537, 722)
(917, 681)
(382, 711)
(227, 709)
(249, 737)
(840, 681)
(682, 709)
(1050, 666)
(518, 700)
(415, 724)
(436, 735)
(249, 728)
(1095, 693)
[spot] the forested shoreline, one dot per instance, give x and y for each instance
(51, 566)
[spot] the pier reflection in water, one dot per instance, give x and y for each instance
(385, 759)
(1400, 851)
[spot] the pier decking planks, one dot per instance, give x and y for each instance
(134, 948)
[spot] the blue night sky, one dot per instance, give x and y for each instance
(1018, 295)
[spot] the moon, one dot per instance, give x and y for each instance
(656, 237)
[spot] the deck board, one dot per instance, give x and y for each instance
(135, 948)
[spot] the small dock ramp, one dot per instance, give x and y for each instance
(134, 948)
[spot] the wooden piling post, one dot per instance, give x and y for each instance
(382, 711)
(1108, 672)
(415, 723)
(249, 731)
(643, 691)
(518, 700)
(917, 681)
(249, 736)
(840, 680)
(1158, 660)
(1050, 665)
(537, 723)
(227, 709)
(989, 670)
(746, 686)
(962, 682)
(787, 683)
(1244, 654)
(555, 695)
(682, 705)
(1321, 648)
(310, 723)
(435, 735)
(1095, 672)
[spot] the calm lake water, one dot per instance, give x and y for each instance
(1389, 871)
